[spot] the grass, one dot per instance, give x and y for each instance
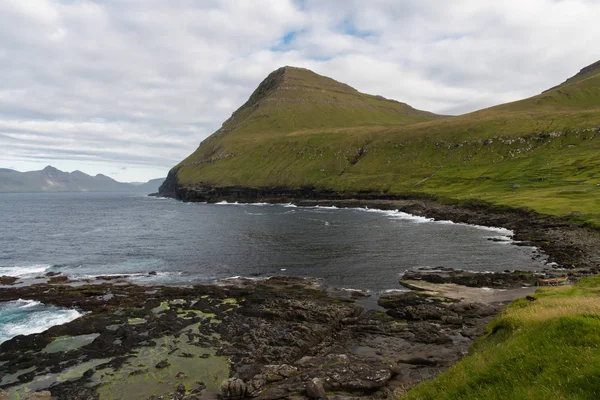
(539, 153)
(542, 349)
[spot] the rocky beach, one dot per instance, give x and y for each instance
(274, 338)
(268, 339)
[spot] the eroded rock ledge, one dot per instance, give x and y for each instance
(272, 339)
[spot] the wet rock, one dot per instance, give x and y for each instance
(181, 389)
(404, 299)
(414, 306)
(43, 395)
(201, 386)
(452, 320)
(181, 375)
(278, 334)
(419, 361)
(474, 310)
(233, 388)
(500, 280)
(275, 373)
(8, 280)
(110, 277)
(256, 385)
(315, 389)
(58, 279)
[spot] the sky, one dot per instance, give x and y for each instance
(129, 88)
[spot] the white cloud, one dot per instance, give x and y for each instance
(138, 84)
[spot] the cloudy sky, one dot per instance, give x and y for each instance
(130, 87)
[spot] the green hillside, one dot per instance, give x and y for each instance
(545, 347)
(301, 129)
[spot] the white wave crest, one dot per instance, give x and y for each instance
(26, 317)
(396, 214)
(25, 271)
(25, 303)
(131, 275)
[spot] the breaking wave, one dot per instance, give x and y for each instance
(25, 271)
(25, 317)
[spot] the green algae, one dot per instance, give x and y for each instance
(233, 301)
(164, 306)
(136, 321)
(182, 354)
(183, 314)
(67, 343)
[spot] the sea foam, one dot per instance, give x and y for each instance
(25, 317)
(25, 271)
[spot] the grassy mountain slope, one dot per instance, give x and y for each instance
(539, 153)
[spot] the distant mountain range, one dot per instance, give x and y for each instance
(51, 179)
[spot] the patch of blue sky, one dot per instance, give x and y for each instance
(348, 27)
(284, 43)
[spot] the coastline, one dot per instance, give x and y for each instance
(419, 335)
(572, 246)
(239, 338)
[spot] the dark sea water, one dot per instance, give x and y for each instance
(86, 234)
(89, 234)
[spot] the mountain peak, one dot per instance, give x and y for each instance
(293, 98)
(49, 169)
(288, 77)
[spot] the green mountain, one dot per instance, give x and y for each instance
(303, 134)
(51, 179)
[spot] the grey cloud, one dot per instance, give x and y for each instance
(164, 75)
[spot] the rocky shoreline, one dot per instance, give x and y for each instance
(281, 337)
(276, 338)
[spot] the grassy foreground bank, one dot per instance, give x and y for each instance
(545, 347)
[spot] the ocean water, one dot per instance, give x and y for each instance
(89, 234)
(24, 317)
